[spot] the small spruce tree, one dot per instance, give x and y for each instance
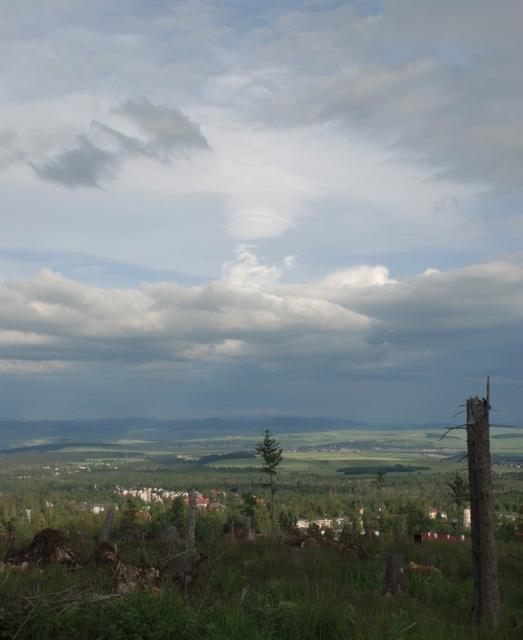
(269, 450)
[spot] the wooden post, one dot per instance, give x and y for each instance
(486, 603)
(395, 575)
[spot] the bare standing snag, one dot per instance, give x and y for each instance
(487, 605)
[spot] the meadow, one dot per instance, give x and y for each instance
(266, 590)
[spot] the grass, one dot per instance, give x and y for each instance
(267, 591)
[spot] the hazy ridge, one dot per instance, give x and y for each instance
(16, 433)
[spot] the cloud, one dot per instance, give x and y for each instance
(435, 83)
(167, 130)
(372, 140)
(360, 319)
(460, 320)
(246, 272)
(360, 276)
(51, 317)
(7, 150)
(86, 165)
(31, 367)
(267, 187)
(98, 155)
(126, 145)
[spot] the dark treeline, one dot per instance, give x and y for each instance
(42, 448)
(397, 468)
(219, 457)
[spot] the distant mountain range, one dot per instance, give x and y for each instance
(37, 434)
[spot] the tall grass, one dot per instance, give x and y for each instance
(267, 591)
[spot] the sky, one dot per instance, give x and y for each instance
(233, 207)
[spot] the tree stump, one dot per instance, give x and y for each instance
(248, 528)
(170, 538)
(395, 575)
(47, 547)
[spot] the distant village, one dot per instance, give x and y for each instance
(149, 495)
(152, 495)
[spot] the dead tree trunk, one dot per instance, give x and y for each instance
(248, 528)
(231, 528)
(190, 539)
(395, 575)
(486, 604)
(106, 529)
(170, 537)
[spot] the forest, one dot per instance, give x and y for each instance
(312, 566)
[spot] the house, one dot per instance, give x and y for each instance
(216, 506)
(201, 503)
(435, 513)
(98, 508)
(322, 524)
(443, 537)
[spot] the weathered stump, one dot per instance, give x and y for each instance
(248, 528)
(47, 547)
(170, 539)
(395, 575)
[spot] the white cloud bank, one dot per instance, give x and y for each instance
(347, 320)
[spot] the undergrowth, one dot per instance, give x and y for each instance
(266, 591)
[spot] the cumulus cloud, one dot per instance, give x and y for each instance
(445, 318)
(50, 316)
(360, 276)
(246, 272)
(368, 321)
